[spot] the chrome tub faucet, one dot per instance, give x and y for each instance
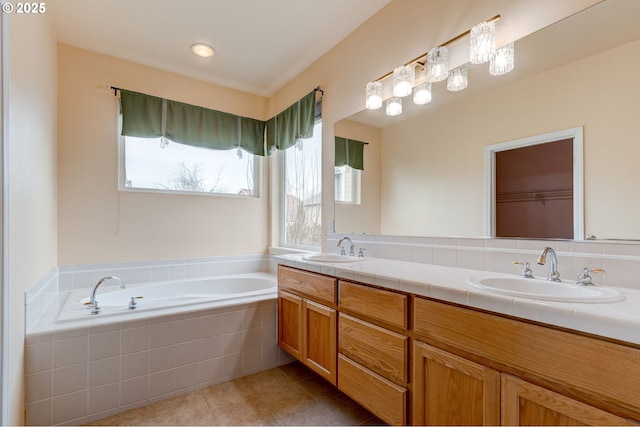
(93, 304)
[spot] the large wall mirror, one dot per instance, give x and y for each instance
(424, 170)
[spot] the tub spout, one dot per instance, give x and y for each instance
(93, 304)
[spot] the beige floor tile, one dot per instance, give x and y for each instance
(288, 395)
(308, 413)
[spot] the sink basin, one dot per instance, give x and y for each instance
(541, 289)
(333, 258)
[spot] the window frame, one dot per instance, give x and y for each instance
(356, 186)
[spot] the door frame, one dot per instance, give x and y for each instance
(578, 175)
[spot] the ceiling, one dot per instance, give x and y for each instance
(260, 44)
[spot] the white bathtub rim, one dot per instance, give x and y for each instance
(48, 323)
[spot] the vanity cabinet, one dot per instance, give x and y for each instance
(307, 319)
(451, 390)
(373, 349)
(526, 404)
(467, 361)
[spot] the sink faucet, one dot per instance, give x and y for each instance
(553, 275)
(93, 304)
(351, 249)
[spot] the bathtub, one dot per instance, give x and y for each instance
(183, 335)
(167, 294)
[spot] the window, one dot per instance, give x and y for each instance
(150, 164)
(302, 181)
(347, 185)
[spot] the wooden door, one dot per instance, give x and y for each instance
(524, 403)
(320, 334)
(290, 323)
(534, 191)
(451, 390)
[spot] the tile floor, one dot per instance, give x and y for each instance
(288, 395)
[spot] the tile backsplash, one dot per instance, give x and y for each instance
(620, 260)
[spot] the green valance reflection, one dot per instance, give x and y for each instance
(350, 152)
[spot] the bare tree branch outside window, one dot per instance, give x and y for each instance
(303, 190)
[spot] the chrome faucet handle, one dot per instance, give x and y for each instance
(585, 278)
(133, 303)
(342, 252)
(361, 252)
(526, 271)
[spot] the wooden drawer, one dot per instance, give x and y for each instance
(379, 395)
(586, 368)
(384, 306)
(382, 351)
(314, 286)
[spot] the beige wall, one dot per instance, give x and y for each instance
(97, 223)
(433, 167)
(363, 217)
(31, 180)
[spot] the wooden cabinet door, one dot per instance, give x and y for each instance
(451, 390)
(290, 324)
(319, 331)
(524, 403)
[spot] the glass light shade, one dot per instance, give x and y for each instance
(458, 79)
(394, 106)
(403, 80)
(374, 95)
(483, 42)
(437, 64)
(422, 94)
(503, 61)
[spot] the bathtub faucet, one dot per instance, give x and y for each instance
(93, 304)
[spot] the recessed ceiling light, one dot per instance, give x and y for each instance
(203, 50)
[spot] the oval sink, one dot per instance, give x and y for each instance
(329, 257)
(545, 290)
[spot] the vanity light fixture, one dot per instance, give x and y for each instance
(483, 42)
(403, 80)
(394, 106)
(458, 79)
(422, 94)
(202, 50)
(503, 60)
(436, 63)
(374, 95)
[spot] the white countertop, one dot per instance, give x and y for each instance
(617, 320)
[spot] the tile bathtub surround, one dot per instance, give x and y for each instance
(620, 260)
(86, 374)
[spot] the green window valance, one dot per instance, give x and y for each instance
(147, 116)
(349, 152)
(141, 114)
(284, 129)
